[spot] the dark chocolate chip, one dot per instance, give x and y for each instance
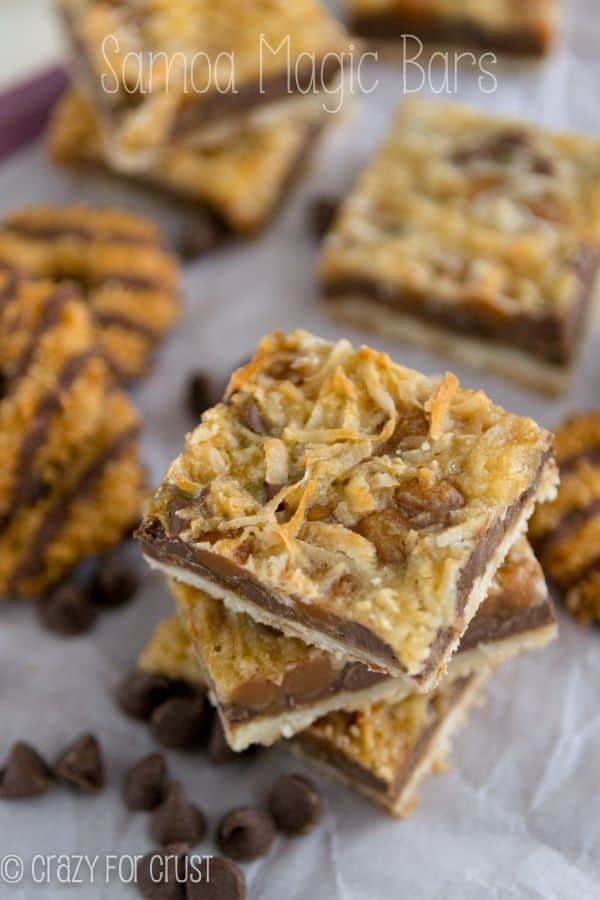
(199, 394)
(295, 804)
(140, 693)
(161, 874)
(81, 764)
(219, 750)
(271, 490)
(176, 819)
(115, 582)
(224, 881)
(246, 833)
(322, 214)
(25, 774)
(199, 237)
(252, 418)
(181, 722)
(146, 783)
(67, 610)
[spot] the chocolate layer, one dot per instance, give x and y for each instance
(307, 683)
(390, 26)
(547, 336)
(320, 748)
(172, 550)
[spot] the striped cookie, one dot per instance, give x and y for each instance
(116, 259)
(70, 477)
(566, 532)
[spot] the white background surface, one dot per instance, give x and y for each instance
(517, 815)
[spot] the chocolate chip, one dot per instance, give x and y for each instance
(25, 774)
(161, 874)
(200, 236)
(176, 819)
(246, 833)
(252, 419)
(224, 881)
(81, 764)
(67, 610)
(295, 804)
(146, 783)
(140, 693)
(219, 750)
(181, 722)
(199, 394)
(115, 582)
(321, 215)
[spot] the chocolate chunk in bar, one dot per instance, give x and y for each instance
(491, 259)
(177, 820)
(24, 774)
(318, 418)
(81, 764)
(146, 783)
(295, 804)
(246, 834)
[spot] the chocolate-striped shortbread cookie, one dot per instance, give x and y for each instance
(117, 261)
(70, 479)
(566, 532)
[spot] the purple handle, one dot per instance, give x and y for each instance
(25, 108)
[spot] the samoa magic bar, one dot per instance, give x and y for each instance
(475, 236)
(350, 502)
(267, 686)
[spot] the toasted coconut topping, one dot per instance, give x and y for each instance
(384, 477)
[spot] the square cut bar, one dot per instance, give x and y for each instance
(171, 67)
(267, 686)
(383, 751)
(566, 533)
(386, 751)
(490, 24)
(350, 502)
(475, 236)
(237, 182)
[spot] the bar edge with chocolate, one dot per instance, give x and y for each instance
(222, 579)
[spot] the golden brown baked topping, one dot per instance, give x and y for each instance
(321, 438)
(472, 210)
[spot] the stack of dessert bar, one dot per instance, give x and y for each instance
(475, 236)
(218, 103)
(344, 539)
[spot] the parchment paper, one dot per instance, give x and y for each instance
(517, 814)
